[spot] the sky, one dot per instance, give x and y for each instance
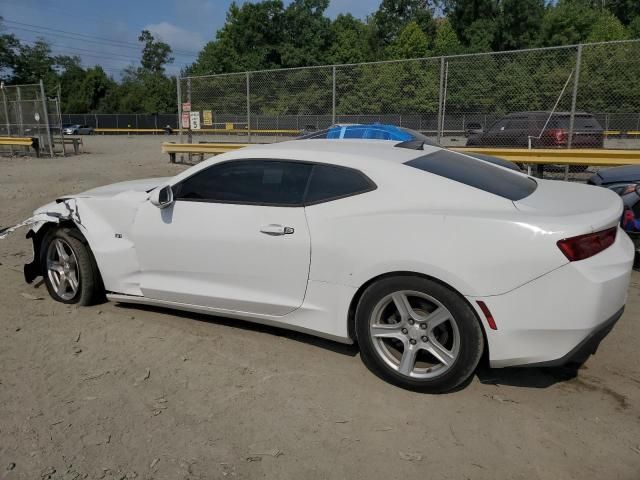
(108, 29)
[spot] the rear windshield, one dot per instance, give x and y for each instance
(476, 173)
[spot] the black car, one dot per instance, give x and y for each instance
(621, 180)
(542, 129)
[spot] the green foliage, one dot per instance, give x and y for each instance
(271, 34)
(446, 41)
(410, 43)
(155, 55)
(606, 28)
(568, 23)
(518, 24)
(393, 16)
(348, 41)
(463, 14)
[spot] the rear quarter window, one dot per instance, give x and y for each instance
(476, 173)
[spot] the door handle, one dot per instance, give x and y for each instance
(273, 229)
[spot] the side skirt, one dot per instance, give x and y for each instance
(264, 320)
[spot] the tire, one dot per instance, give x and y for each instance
(65, 257)
(384, 334)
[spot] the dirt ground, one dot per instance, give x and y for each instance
(118, 392)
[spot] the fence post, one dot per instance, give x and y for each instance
(189, 139)
(179, 95)
(440, 98)
(59, 117)
(46, 117)
(19, 110)
(574, 96)
(248, 110)
(333, 100)
(6, 112)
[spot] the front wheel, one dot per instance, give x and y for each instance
(418, 334)
(68, 268)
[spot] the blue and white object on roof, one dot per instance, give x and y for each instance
(374, 131)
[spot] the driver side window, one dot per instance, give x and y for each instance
(253, 182)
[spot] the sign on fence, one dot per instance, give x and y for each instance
(195, 120)
(185, 120)
(207, 117)
(186, 107)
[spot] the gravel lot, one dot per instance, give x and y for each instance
(120, 392)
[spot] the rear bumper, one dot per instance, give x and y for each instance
(585, 348)
(559, 316)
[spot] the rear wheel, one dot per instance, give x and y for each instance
(69, 269)
(418, 334)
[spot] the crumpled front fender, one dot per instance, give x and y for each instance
(65, 209)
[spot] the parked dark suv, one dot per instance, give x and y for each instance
(515, 129)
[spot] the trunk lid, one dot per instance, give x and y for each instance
(569, 209)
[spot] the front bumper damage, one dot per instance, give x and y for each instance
(59, 211)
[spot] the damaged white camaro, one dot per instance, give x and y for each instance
(426, 257)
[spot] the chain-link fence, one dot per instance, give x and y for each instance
(582, 96)
(26, 111)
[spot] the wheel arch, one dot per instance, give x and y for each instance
(34, 269)
(353, 305)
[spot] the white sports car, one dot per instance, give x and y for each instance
(425, 257)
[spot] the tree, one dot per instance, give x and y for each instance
(410, 43)
(348, 40)
(463, 14)
(393, 16)
(250, 39)
(155, 54)
(446, 41)
(634, 27)
(518, 24)
(625, 10)
(567, 23)
(606, 28)
(307, 33)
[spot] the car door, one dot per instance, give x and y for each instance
(234, 239)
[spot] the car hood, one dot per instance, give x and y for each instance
(143, 185)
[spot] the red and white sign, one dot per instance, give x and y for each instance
(186, 107)
(185, 120)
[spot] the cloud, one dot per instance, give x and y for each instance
(177, 37)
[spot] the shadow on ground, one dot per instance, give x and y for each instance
(349, 350)
(527, 377)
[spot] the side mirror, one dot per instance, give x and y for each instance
(161, 197)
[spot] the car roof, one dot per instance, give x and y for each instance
(630, 173)
(540, 113)
(356, 153)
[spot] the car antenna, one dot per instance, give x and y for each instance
(411, 144)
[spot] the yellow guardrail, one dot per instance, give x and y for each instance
(202, 130)
(574, 156)
(18, 141)
(592, 156)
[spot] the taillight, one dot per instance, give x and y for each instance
(557, 134)
(585, 246)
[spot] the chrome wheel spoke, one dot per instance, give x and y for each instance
(435, 348)
(62, 286)
(392, 330)
(408, 360)
(72, 279)
(55, 266)
(401, 303)
(62, 255)
(437, 317)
